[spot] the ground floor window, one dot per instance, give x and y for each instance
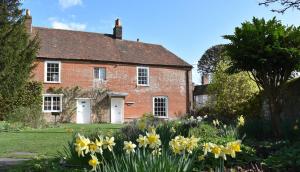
(160, 106)
(52, 102)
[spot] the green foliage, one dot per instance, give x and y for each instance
(10, 127)
(17, 54)
(285, 159)
(30, 95)
(233, 94)
(270, 51)
(30, 116)
(140, 162)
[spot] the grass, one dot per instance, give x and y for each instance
(47, 141)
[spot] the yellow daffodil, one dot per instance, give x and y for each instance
(99, 144)
(82, 145)
(94, 162)
(143, 141)
(207, 148)
(109, 143)
(129, 147)
(142, 125)
(191, 144)
(153, 140)
(93, 147)
(216, 150)
(216, 122)
(241, 120)
(235, 146)
(175, 145)
(151, 129)
(201, 157)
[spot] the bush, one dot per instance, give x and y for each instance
(28, 116)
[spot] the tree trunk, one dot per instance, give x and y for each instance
(275, 106)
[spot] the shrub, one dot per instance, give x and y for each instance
(28, 116)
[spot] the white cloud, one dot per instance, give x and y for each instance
(69, 3)
(67, 25)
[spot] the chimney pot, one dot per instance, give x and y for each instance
(28, 13)
(138, 40)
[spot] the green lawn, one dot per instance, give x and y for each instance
(46, 141)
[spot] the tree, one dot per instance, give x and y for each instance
(17, 53)
(287, 4)
(233, 94)
(270, 52)
(210, 58)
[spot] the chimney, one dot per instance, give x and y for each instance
(28, 21)
(118, 29)
(138, 40)
(205, 79)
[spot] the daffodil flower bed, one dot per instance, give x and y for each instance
(149, 143)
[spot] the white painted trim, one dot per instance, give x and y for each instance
(167, 107)
(52, 95)
(45, 71)
(137, 76)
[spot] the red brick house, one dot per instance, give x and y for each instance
(140, 77)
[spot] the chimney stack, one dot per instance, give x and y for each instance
(118, 29)
(28, 21)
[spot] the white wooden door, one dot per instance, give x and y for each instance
(117, 110)
(83, 111)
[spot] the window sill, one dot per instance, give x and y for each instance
(142, 85)
(51, 111)
(161, 117)
(49, 82)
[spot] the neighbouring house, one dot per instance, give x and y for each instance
(141, 77)
(200, 92)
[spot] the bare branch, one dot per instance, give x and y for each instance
(287, 4)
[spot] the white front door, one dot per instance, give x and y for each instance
(117, 110)
(83, 111)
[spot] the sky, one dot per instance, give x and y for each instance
(185, 27)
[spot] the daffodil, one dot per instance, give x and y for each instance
(156, 151)
(94, 162)
(201, 157)
(82, 145)
(207, 148)
(191, 144)
(241, 120)
(109, 143)
(143, 141)
(235, 146)
(216, 122)
(99, 144)
(153, 140)
(129, 147)
(216, 150)
(175, 145)
(151, 129)
(93, 147)
(173, 130)
(141, 125)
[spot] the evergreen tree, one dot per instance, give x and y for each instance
(17, 54)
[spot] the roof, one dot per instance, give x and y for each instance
(200, 90)
(78, 45)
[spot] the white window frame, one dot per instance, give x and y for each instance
(59, 71)
(99, 79)
(52, 95)
(137, 76)
(167, 106)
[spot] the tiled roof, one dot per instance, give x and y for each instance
(77, 45)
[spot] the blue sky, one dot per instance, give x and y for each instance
(186, 27)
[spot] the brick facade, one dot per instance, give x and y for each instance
(175, 83)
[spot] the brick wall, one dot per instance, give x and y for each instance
(164, 81)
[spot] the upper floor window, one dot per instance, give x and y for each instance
(160, 106)
(52, 103)
(100, 73)
(52, 71)
(143, 76)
